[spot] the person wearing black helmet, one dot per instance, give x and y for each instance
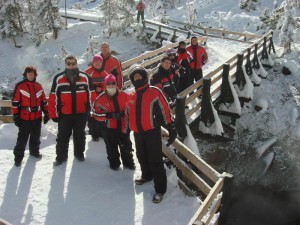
(146, 110)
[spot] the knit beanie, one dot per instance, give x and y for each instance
(109, 78)
(97, 58)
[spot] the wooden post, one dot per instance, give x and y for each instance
(240, 79)
(248, 66)
(226, 95)
(207, 115)
(271, 44)
(144, 24)
(255, 58)
(180, 121)
(225, 202)
(264, 53)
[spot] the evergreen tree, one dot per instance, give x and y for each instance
(287, 30)
(44, 17)
(271, 20)
(249, 5)
(117, 15)
(11, 20)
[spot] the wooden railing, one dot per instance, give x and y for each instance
(211, 183)
(213, 32)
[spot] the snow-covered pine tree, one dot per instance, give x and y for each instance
(248, 5)
(11, 20)
(44, 17)
(117, 15)
(272, 20)
(287, 30)
(92, 48)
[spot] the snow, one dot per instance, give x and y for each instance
(89, 192)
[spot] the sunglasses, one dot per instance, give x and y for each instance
(172, 55)
(71, 63)
(111, 83)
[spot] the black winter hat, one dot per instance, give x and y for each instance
(138, 69)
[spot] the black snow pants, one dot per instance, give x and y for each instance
(67, 125)
(29, 129)
(115, 139)
(150, 156)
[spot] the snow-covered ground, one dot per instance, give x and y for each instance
(91, 193)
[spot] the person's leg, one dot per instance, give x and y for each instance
(79, 122)
(93, 125)
(153, 144)
(34, 140)
(142, 156)
(19, 149)
(111, 139)
(126, 150)
(65, 125)
(142, 15)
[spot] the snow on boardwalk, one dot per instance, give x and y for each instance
(79, 193)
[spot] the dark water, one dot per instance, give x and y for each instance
(258, 205)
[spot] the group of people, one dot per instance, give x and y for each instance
(95, 97)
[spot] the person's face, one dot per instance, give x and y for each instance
(104, 49)
(30, 76)
(71, 64)
(166, 64)
(137, 76)
(97, 64)
(194, 41)
(182, 46)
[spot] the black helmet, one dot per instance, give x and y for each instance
(138, 69)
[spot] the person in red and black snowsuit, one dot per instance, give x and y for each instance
(111, 64)
(97, 74)
(184, 58)
(140, 7)
(69, 105)
(163, 79)
(146, 111)
(109, 108)
(28, 103)
(172, 54)
(199, 58)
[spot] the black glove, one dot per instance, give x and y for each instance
(17, 120)
(172, 133)
(117, 116)
(46, 117)
(109, 115)
(55, 120)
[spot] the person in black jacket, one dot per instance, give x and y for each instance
(163, 79)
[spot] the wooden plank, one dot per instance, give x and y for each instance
(187, 172)
(213, 210)
(217, 30)
(5, 103)
(210, 172)
(207, 202)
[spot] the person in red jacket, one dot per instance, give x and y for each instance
(199, 58)
(146, 111)
(109, 108)
(28, 103)
(140, 7)
(69, 106)
(111, 64)
(97, 74)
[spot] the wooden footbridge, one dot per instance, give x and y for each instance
(211, 103)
